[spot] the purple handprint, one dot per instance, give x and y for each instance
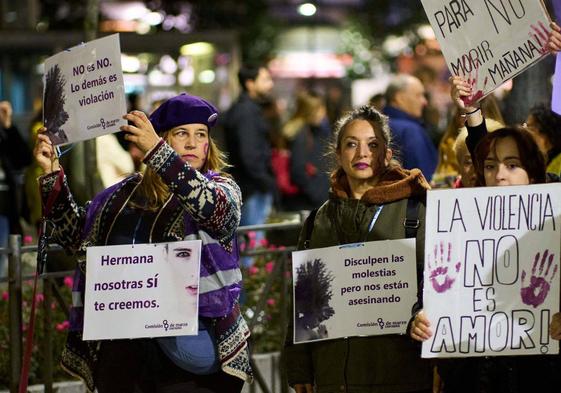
(536, 292)
(441, 275)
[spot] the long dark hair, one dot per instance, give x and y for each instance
(531, 158)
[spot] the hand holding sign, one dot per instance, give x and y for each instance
(420, 327)
(555, 326)
(140, 132)
(535, 293)
(44, 153)
(554, 42)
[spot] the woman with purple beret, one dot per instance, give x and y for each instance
(181, 195)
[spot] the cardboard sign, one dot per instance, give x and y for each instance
(357, 289)
(556, 95)
(489, 41)
(491, 278)
(142, 290)
(84, 94)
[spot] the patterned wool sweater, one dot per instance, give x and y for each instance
(203, 206)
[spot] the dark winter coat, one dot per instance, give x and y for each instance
(248, 146)
(389, 363)
(308, 168)
(411, 142)
(15, 155)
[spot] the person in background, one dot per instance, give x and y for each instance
(377, 101)
(114, 163)
(307, 134)
(247, 135)
(183, 194)
(545, 126)
(370, 197)
(405, 100)
(466, 172)
(15, 155)
(448, 166)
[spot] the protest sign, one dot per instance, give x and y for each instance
(358, 289)
(491, 277)
(489, 41)
(84, 95)
(142, 290)
(556, 95)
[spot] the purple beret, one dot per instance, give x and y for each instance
(183, 109)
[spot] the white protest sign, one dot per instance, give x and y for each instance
(491, 277)
(489, 41)
(357, 289)
(84, 94)
(142, 290)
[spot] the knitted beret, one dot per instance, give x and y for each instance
(183, 109)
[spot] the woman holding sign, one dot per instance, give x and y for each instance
(182, 194)
(509, 156)
(372, 198)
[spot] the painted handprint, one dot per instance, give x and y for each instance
(540, 282)
(540, 34)
(475, 95)
(441, 273)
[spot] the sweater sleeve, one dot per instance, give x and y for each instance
(61, 209)
(475, 134)
(215, 203)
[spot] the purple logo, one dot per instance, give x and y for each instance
(540, 282)
(166, 324)
(381, 323)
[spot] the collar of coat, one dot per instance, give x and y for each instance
(395, 184)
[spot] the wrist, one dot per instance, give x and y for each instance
(471, 111)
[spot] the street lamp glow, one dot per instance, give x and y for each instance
(307, 9)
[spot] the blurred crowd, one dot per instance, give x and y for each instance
(277, 148)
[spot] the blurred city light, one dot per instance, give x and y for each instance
(153, 18)
(130, 63)
(196, 49)
(307, 9)
(206, 76)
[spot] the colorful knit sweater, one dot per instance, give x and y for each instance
(203, 206)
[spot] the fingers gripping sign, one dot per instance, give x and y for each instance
(441, 273)
(555, 327)
(420, 327)
(44, 153)
(140, 131)
(537, 289)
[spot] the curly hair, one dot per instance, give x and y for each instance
(377, 120)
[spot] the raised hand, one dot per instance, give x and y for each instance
(44, 153)
(141, 132)
(537, 289)
(441, 273)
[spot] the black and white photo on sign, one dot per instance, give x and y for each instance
(357, 289)
(142, 290)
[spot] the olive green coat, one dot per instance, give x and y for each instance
(389, 363)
